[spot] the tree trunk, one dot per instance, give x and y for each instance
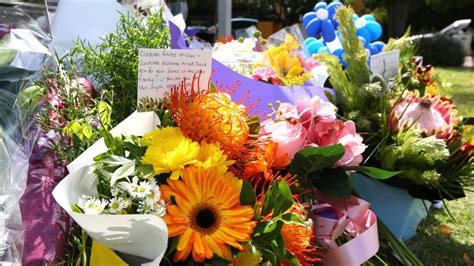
(397, 17)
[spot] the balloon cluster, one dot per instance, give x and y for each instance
(322, 22)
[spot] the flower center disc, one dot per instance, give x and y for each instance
(205, 219)
(425, 103)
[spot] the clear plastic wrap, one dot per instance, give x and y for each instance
(24, 48)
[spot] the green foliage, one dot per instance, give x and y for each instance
(355, 55)
(114, 62)
(267, 236)
(416, 155)
(78, 118)
(358, 96)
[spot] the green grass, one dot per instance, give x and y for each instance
(431, 245)
(462, 81)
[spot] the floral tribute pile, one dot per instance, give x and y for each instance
(229, 188)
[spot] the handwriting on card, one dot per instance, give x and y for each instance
(161, 69)
(385, 64)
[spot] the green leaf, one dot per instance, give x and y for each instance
(284, 199)
(144, 171)
(314, 159)
(291, 218)
(278, 198)
(115, 160)
(247, 194)
(104, 111)
(122, 172)
(334, 183)
(76, 208)
(374, 172)
(270, 256)
(172, 244)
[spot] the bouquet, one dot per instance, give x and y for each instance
(273, 61)
(409, 123)
(229, 188)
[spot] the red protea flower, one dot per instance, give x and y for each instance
(432, 115)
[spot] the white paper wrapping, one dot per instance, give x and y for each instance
(139, 235)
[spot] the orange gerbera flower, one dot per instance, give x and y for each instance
(207, 215)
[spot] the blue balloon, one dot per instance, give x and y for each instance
(339, 53)
(314, 46)
(308, 17)
(314, 27)
(379, 46)
(323, 49)
(332, 8)
(363, 32)
(374, 29)
(320, 5)
(354, 17)
(309, 40)
(327, 30)
(364, 41)
(373, 49)
(368, 17)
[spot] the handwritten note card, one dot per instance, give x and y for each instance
(385, 64)
(161, 69)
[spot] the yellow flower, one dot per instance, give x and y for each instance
(210, 155)
(169, 151)
(291, 43)
(207, 216)
(246, 258)
(286, 62)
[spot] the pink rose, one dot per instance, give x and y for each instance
(315, 108)
(290, 137)
(338, 132)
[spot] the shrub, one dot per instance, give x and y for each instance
(441, 50)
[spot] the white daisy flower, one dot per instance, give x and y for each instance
(142, 190)
(115, 206)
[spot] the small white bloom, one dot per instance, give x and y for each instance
(142, 190)
(92, 205)
(115, 206)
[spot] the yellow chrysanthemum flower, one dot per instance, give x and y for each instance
(210, 155)
(169, 151)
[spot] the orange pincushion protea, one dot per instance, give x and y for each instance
(207, 215)
(211, 116)
(298, 239)
(432, 115)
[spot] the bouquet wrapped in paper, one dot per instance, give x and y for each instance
(207, 183)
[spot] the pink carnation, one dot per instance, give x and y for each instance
(266, 74)
(315, 108)
(338, 132)
(290, 137)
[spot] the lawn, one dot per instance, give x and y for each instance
(440, 239)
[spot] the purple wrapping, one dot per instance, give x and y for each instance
(251, 92)
(46, 225)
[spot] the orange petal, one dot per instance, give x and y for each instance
(185, 239)
(174, 229)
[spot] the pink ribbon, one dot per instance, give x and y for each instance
(333, 217)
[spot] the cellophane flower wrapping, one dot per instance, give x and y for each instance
(24, 49)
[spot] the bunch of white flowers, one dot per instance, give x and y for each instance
(128, 197)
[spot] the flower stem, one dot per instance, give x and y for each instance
(84, 248)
